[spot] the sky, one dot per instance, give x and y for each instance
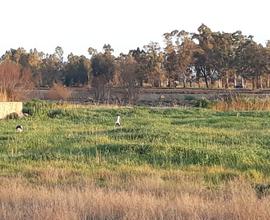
(76, 25)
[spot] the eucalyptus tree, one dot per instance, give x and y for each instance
(141, 59)
(203, 57)
(267, 49)
(223, 56)
(154, 69)
(129, 77)
(103, 68)
(252, 61)
(186, 49)
(52, 68)
(35, 60)
(59, 52)
(77, 71)
(170, 57)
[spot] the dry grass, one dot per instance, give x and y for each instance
(242, 103)
(3, 96)
(147, 199)
(59, 92)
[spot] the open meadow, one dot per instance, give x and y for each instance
(70, 162)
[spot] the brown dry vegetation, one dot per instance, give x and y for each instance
(148, 198)
(242, 103)
(66, 166)
(14, 80)
(59, 92)
(3, 96)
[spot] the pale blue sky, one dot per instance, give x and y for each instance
(76, 25)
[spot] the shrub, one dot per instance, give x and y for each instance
(27, 110)
(13, 80)
(56, 113)
(202, 103)
(37, 107)
(59, 92)
(189, 98)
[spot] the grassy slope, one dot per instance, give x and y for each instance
(81, 141)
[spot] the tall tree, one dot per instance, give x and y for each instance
(141, 59)
(186, 49)
(154, 57)
(103, 69)
(252, 61)
(130, 79)
(203, 57)
(170, 57)
(77, 71)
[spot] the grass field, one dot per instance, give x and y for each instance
(163, 163)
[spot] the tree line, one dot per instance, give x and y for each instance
(201, 59)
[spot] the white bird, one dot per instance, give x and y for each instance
(19, 128)
(117, 123)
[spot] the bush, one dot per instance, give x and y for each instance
(56, 113)
(27, 110)
(59, 92)
(203, 103)
(37, 107)
(189, 98)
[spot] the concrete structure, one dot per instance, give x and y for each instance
(7, 108)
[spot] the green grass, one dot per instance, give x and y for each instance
(80, 141)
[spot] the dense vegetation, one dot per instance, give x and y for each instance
(83, 139)
(70, 162)
(204, 58)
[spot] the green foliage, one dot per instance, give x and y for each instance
(84, 139)
(56, 113)
(211, 55)
(37, 107)
(203, 103)
(77, 71)
(28, 110)
(189, 98)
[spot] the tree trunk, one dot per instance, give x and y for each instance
(267, 80)
(253, 83)
(258, 82)
(219, 83)
(206, 80)
(210, 83)
(184, 81)
(235, 80)
(227, 82)
(243, 82)
(109, 94)
(169, 83)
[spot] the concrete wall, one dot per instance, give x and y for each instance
(9, 107)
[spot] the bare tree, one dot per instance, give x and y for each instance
(14, 80)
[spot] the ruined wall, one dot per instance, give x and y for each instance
(9, 107)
